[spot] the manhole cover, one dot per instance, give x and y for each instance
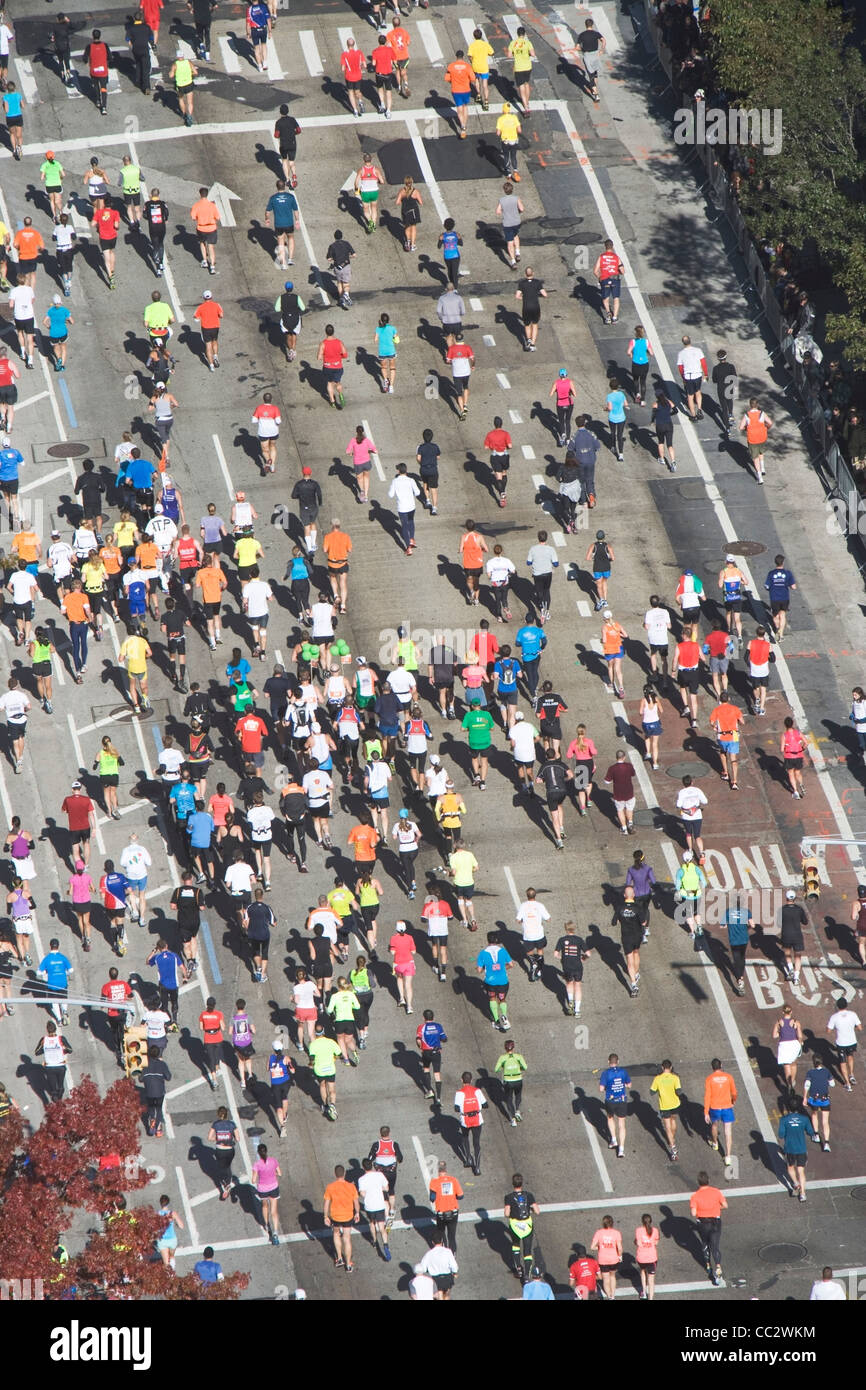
(66, 451)
(859, 1193)
(694, 770)
(692, 490)
(744, 548)
(665, 300)
(782, 1254)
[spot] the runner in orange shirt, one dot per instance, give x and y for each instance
(206, 216)
(112, 559)
(342, 1212)
(720, 1093)
(462, 81)
(726, 720)
(208, 315)
(337, 545)
(706, 1206)
(28, 242)
(473, 548)
(398, 40)
(364, 837)
(210, 582)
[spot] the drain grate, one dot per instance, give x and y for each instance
(694, 770)
(67, 451)
(744, 548)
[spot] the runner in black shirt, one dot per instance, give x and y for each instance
(197, 703)
(90, 488)
(293, 804)
(308, 496)
(591, 45)
(186, 901)
(549, 706)
(286, 132)
(173, 624)
(250, 786)
(632, 919)
(663, 413)
(531, 292)
(427, 457)
(340, 253)
(61, 38)
(155, 214)
(571, 952)
(555, 776)
(724, 378)
(153, 1080)
(202, 12)
(258, 920)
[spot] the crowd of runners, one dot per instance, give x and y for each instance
(326, 759)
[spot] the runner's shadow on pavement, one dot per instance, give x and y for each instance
(430, 333)
(493, 1233)
(259, 235)
(370, 364)
(409, 1063)
(269, 158)
(452, 572)
(682, 1232)
(312, 375)
(545, 416)
(592, 1108)
(592, 662)
(513, 324)
(435, 269)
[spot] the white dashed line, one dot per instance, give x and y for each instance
(503, 381)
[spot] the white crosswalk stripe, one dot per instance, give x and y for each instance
(466, 28)
(427, 35)
(309, 48)
(231, 61)
(344, 35)
(26, 81)
(275, 72)
(512, 24)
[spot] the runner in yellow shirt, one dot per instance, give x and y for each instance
(133, 655)
(667, 1087)
(508, 129)
(479, 54)
(521, 53)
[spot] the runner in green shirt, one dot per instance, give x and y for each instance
(512, 1064)
(478, 724)
(323, 1053)
(462, 866)
(158, 319)
(342, 1006)
(130, 185)
(51, 173)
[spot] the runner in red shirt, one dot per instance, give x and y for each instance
(352, 63)
(250, 732)
(583, 1274)
(332, 354)
(117, 991)
(9, 374)
(398, 40)
(716, 648)
(107, 222)
(462, 360)
(687, 669)
(208, 315)
(211, 1022)
(382, 59)
(498, 442)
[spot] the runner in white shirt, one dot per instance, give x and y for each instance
(24, 589)
(436, 778)
(155, 1022)
(441, 1265)
(437, 914)
(59, 559)
(522, 736)
(845, 1024)
(532, 916)
(22, 299)
(406, 492)
(257, 594)
(657, 624)
(240, 880)
(16, 706)
(325, 917)
(827, 1289)
(403, 684)
(171, 760)
(499, 571)
(690, 804)
(373, 1190)
(260, 819)
(318, 787)
(408, 837)
(135, 862)
(162, 531)
(422, 1289)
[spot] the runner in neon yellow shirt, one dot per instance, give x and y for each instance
(521, 53)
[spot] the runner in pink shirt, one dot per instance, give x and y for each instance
(646, 1242)
(402, 948)
(362, 449)
(80, 888)
(607, 1244)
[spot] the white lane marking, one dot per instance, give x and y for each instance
(558, 539)
(309, 48)
(427, 35)
(583, 608)
(512, 24)
(515, 417)
(26, 81)
(422, 1161)
(637, 762)
(224, 468)
(224, 197)
(476, 306)
(187, 1085)
(377, 462)
(49, 477)
(275, 72)
(31, 400)
(711, 974)
(344, 35)
(596, 1150)
(203, 1197)
(426, 168)
(167, 274)
(512, 887)
(467, 29)
(529, 453)
(489, 340)
(596, 646)
(537, 481)
(187, 1209)
(231, 61)
(80, 763)
(503, 381)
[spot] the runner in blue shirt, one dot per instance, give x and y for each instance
(209, 1270)
(779, 583)
(793, 1130)
(58, 320)
(200, 828)
(282, 206)
(531, 641)
(616, 405)
(238, 666)
(536, 1289)
(171, 973)
(614, 1083)
(55, 969)
(14, 120)
(506, 672)
(450, 244)
(738, 920)
(816, 1094)
(10, 461)
(494, 963)
(182, 798)
(429, 1038)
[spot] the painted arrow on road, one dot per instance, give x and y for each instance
(222, 196)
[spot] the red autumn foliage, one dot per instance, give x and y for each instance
(61, 1175)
